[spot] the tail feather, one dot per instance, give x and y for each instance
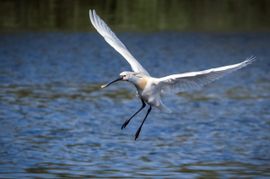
(164, 108)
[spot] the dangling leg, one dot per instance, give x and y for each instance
(139, 129)
(127, 121)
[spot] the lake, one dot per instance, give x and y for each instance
(56, 122)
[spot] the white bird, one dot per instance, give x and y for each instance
(150, 88)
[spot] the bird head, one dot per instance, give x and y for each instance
(127, 75)
(124, 76)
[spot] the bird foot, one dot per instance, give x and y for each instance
(125, 124)
(137, 133)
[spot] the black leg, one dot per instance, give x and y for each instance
(140, 128)
(127, 121)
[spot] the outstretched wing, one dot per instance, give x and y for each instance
(191, 80)
(111, 38)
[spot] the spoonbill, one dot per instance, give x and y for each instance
(149, 88)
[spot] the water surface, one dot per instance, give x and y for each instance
(57, 122)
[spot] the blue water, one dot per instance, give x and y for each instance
(55, 121)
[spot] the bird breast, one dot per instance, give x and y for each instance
(141, 83)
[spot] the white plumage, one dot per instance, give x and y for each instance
(191, 80)
(111, 38)
(150, 88)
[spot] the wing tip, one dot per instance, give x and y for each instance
(249, 60)
(92, 11)
(92, 16)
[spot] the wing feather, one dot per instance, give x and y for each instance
(193, 80)
(112, 39)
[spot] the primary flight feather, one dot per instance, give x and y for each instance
(111, 38)
(150, 88)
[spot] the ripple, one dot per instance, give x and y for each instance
(56, 121)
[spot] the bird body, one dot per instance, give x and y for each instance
(150, 89)
(147, 88)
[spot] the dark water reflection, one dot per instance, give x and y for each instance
(56, 122)
(136, 15)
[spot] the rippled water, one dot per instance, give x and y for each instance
(55, 121)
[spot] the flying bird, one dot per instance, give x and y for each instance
(150, 89)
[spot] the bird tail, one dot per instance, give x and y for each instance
(164, 108)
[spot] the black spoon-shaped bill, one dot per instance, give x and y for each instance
(108, 84)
